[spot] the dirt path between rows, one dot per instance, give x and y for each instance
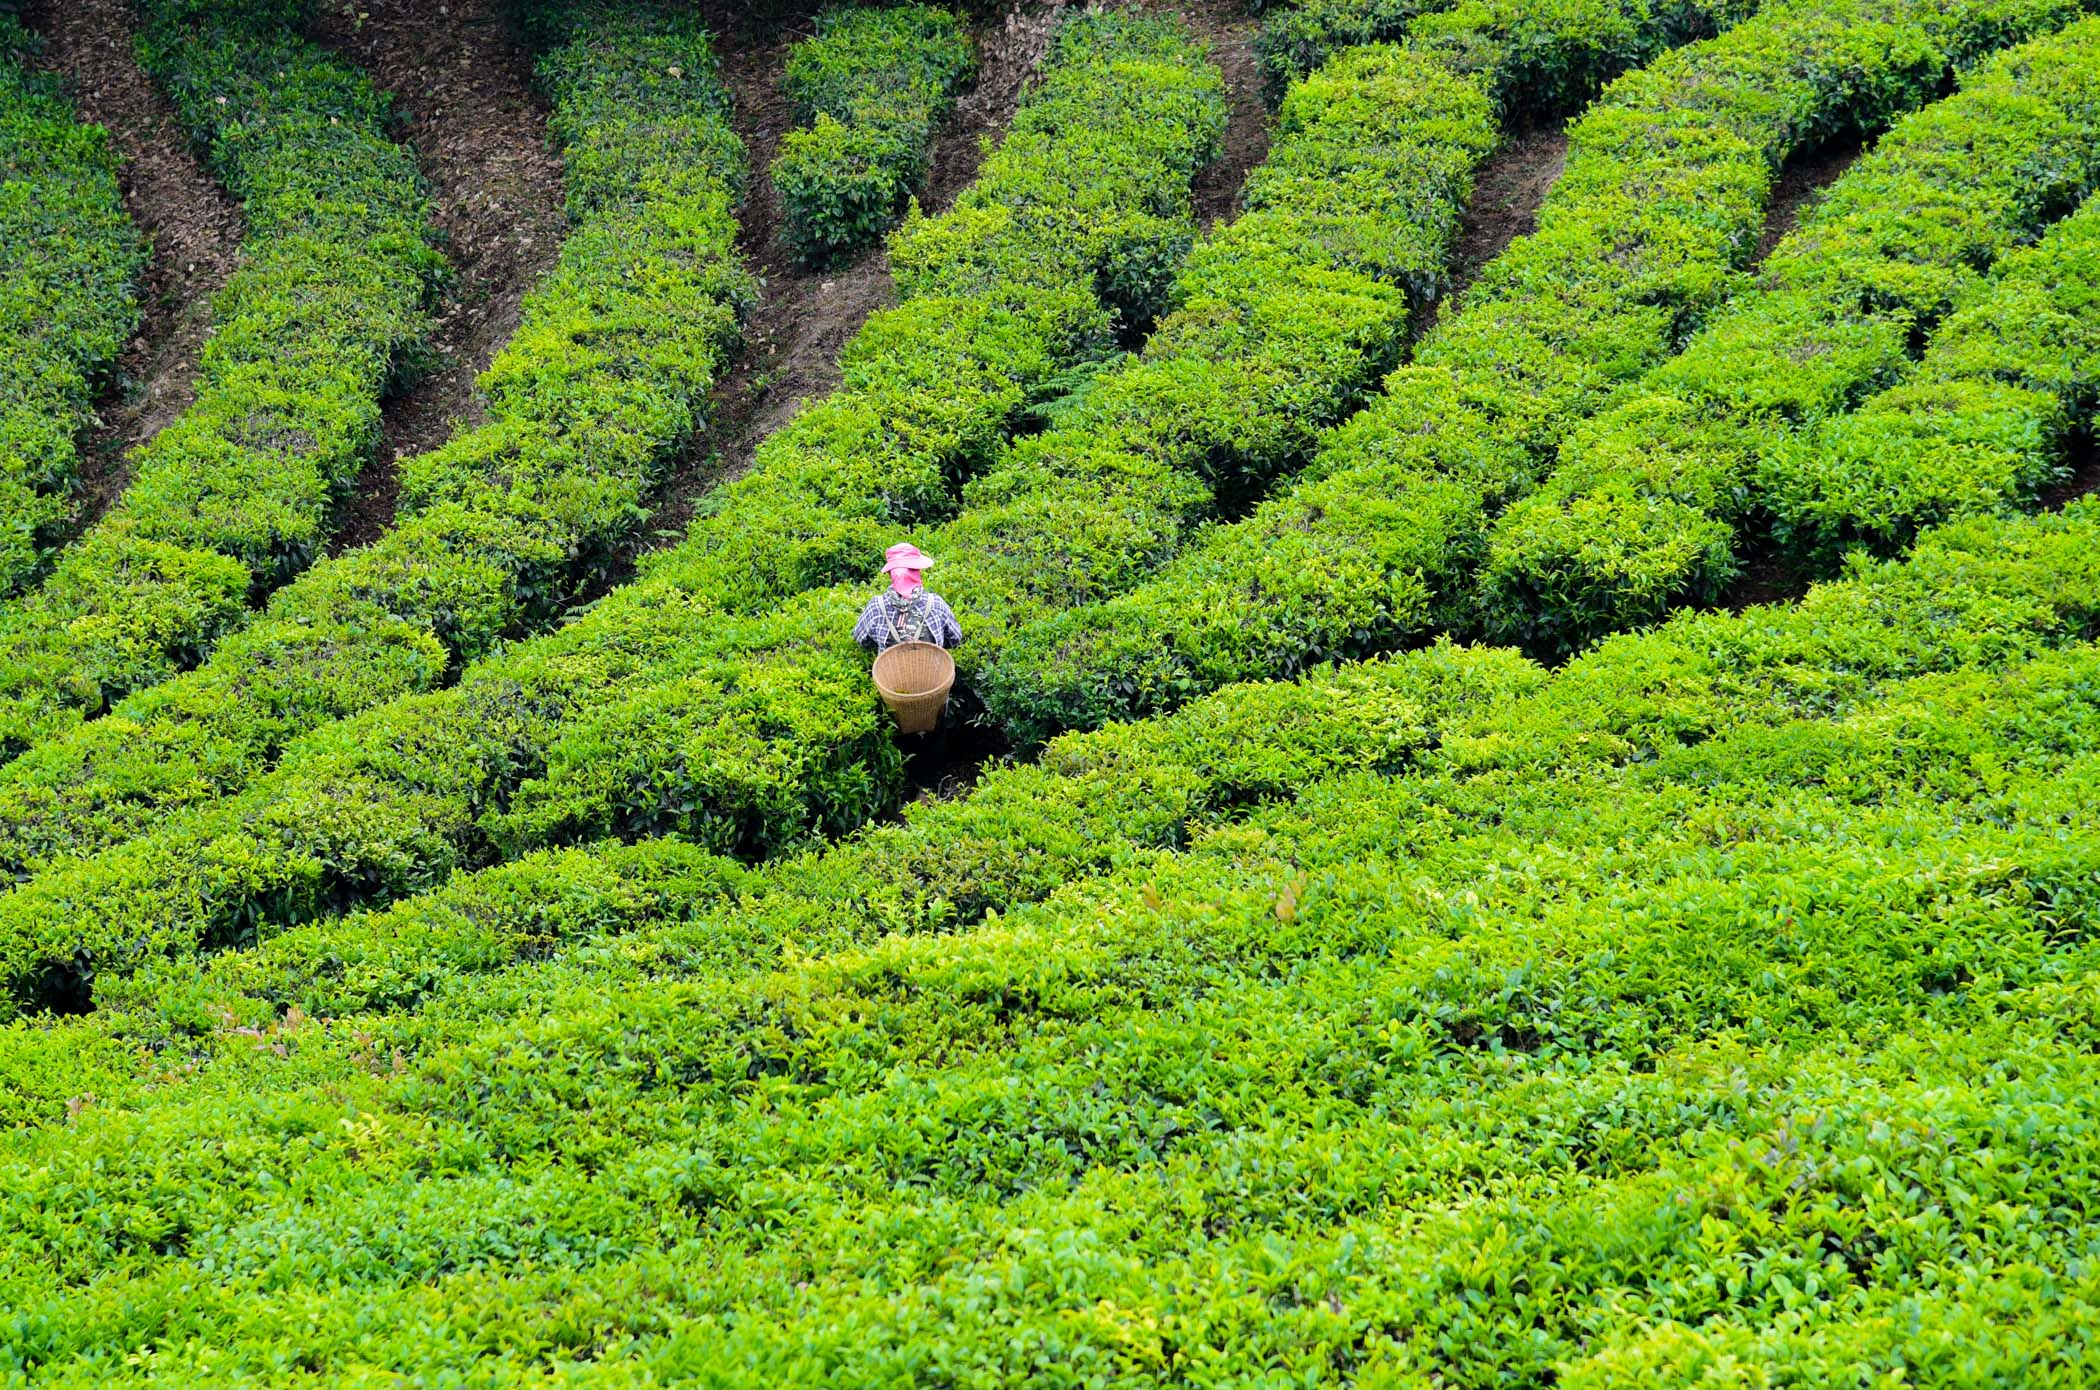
(804, 317)
(1507, 191)
(1800, 180)
(462, 82)
(1229, 31)
(194, 227)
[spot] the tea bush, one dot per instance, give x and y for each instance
(1750, 1030)
(68, 298)
(1096, 167)
(605, 379)
(1646, 505)
(1985, 422)
(236, 495)
(869, 90)
(1379, 542)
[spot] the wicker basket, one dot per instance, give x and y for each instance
(914, 679)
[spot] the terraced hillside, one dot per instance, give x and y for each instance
(1388, 909)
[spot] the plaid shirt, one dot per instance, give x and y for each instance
(889, 619)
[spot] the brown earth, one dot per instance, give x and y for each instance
(1766, 577)
(1229, 31)
(194, 227)
(1800, 181)
(462, 83)
(804, 317)
(1507, 191)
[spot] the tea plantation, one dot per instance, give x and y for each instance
(1521, 803)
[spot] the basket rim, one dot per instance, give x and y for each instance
(943, 684)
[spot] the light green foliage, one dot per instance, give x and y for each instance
(1648, 501)
(236, 495)
(869, 89)
(1096, 168)
(69, 266)
(606, 378)
(1733, 988)
(1983, 423)
(1379, 543)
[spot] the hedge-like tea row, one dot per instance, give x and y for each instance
(605, 379)
(1984, 595)
(1206, 1056)
(69, 266)
(1094, 801)
(754, 734)
(1378, 543)
(236, 495)
(1983, 424)
(869, 90)
(1644, 508)
(1089, 190)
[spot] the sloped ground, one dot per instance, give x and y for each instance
(804, 317)
(463, 85)
(194, 227)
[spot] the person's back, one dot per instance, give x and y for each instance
(906, 611)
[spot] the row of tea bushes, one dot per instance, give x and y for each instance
(868, 89)
(1649, 504)
(238, 493)
(70, 261)
(1571, 989)
(1090, 189)
(606, 379)
(1378, 543)
(750, 735)
(1986, 422)
(1979, 596)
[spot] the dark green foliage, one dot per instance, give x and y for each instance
(236, 495)
(1098, 161)
(1296, 38)
(69, 266)
(869, 90)
(1380, 542)
(1646, 505)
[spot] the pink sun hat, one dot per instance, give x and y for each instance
(904, 557)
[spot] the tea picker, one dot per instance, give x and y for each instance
(911, 630)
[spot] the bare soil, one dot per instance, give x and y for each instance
(1507, 191)
(194, 227)
(462, 83)
(1229, 31)
(1766, 577)
(1804, 176)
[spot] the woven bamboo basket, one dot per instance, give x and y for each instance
(914, 679)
